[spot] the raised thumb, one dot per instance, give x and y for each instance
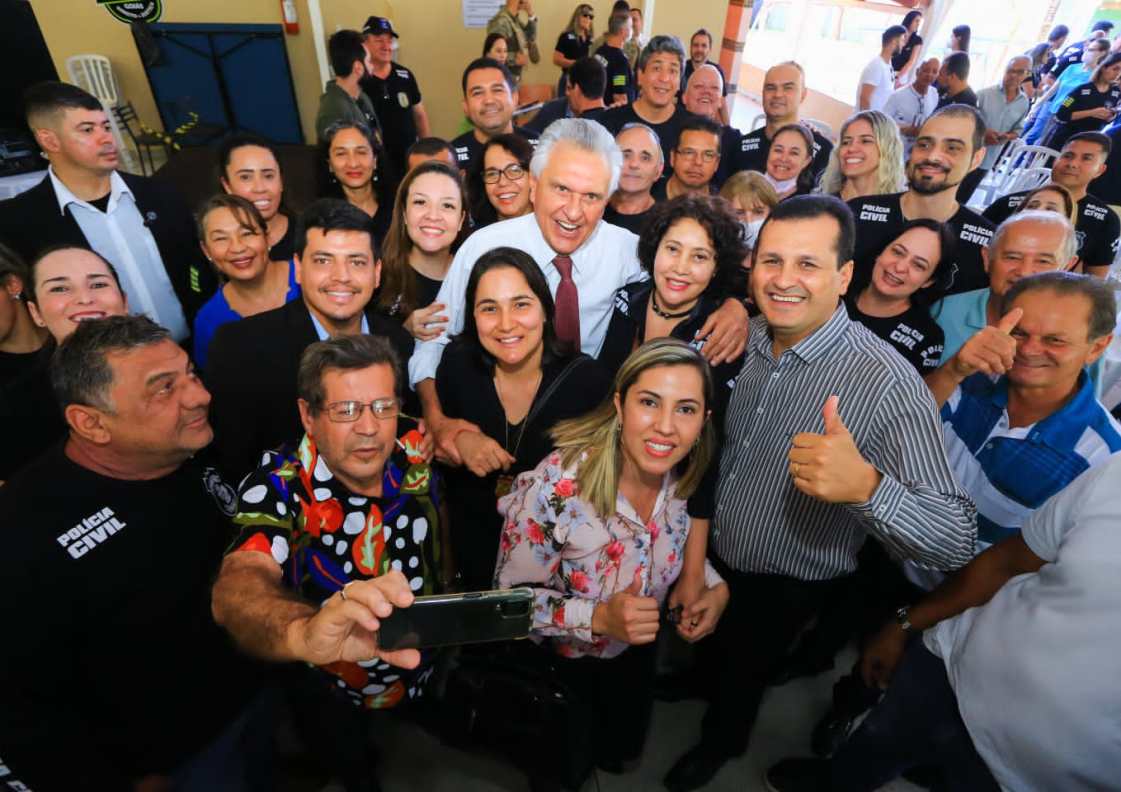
(635, 588)
(830, 412)
(1008, 322)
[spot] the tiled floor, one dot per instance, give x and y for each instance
(414, 761)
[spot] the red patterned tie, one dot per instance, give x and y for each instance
(568, 304)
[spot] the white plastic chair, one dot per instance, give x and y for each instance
(992, 185)
(94, 73)
(1028, 179)
(822, 127)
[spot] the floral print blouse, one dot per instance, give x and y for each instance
(293, 508)
(553, 541)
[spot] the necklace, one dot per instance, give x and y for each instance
(665, 314)
(505, 482)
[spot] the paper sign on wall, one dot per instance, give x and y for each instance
(129, 11)
(476, 13)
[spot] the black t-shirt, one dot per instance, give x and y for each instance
(1108, 186)
(285, 247)
(620, 78)
(394, 99)
(557, 109)
(668, 131)
(913, 334)
(899, 59)
(879, 219)
(572, 46)
(966, 97)
(755, 146)
(1098, 227)
(1068, 57)
(29, 413)
(635, 223)
(467, 147)
(1084, 97)
(113, 665)
(15, 364)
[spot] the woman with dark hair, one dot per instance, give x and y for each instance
(600, 531)
(248, 166)
(959, 38)
(499, 180)
(233, 237)
(789, 161)
(909, 275)
(903, 60)
(574, 42)
(20, 338)
(1089, 107)
(496, 47)
(428, 222)
(509, 375)
(350, 152)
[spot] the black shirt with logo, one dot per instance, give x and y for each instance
(879, 219)
(1098, 228)
(620, 78)
(112, 664)
(668, 131)
(913, 333)
(1068, 57)
(572, 46)
(635, 223)
(394, 98)
(751, 154)
(1084, 97)
(467, 147)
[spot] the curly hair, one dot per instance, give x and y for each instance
(717, 217)
(889, 173)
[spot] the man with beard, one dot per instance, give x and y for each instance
(784, 90)
(343, 98)
(953, 80)
(489, 98)
(878, 78)
(949, 145)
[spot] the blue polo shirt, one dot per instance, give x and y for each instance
(960, 316)
(1010, 472)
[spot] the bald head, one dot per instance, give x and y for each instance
(704, 93)
(784, 89)
(1016, 71)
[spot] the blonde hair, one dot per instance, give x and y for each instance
(889, 173)
(574, 28)
(592, 441)
(749, 188)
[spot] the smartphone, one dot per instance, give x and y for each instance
(450, 619)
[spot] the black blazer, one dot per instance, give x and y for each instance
(251, 374)
(31, 222)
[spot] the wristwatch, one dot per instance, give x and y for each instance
(903, 619)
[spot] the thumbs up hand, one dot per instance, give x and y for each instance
(991, 350)
(627, 616)
(829, 466)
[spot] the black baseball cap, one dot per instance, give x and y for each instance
(376, 25)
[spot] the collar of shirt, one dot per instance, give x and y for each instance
(538, 247)
(1063, 428)
(814, 346)
(626, 511)
(321, 331)
(117, 188)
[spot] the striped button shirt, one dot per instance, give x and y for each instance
(763, 524)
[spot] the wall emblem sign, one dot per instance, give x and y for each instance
(129, 11)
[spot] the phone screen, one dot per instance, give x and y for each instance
(450, 619)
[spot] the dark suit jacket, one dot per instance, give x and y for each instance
(251, 374)
(31, 222)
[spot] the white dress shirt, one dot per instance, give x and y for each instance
(121, 235)
(606, 261)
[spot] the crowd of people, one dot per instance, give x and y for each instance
(764, 392)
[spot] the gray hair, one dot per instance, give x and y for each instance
(80, 370)
(343, 353)
(1070, 240)
(617, 22)
(648, 130)
(661, 43)
(1103, 301)
(710, 67)
(583, 134)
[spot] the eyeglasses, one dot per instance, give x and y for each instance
(512, 172)
(588, 16)
(708, 155)
(351, 411)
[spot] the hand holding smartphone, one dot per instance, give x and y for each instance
(451, 619)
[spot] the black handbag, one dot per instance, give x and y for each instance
(509, 699)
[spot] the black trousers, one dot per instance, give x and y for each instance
(765, 613)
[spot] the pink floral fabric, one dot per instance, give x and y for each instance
(554, 541)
